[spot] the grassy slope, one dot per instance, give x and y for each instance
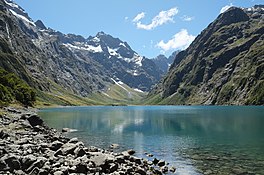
(115, 95)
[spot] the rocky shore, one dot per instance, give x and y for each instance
(29, 146)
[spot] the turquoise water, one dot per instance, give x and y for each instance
(195, 139)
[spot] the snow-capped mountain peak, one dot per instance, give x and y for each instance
(12, 4)
(256, 8)
(116, 56)
(114, 48)
(19, 12)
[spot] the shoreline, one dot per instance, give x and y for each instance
(29, 146)
(197, 105)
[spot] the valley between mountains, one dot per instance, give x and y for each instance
(223, 66)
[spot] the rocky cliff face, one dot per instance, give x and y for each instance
(116, 57)
(48, 59)
(38, 55)
(163, 62)
(224, 64)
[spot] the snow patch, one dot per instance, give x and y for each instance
(169, 65)
(43, 30)
(119, 83)
(68, 75)
(135, 73)
(93, 48)
(87, 47)
(249, 9)
(138, 59)
(138, 90)
(112, 51)
(71, 46)
(122, 44)
(252, 9)
(22, 17)
(105, 94)
(127, 59)
(13, 5)
(8, 33)
(96, 39)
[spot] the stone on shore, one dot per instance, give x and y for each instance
(35, 120)
(68, 130)
(155, 161)
(161, 163)
(54, 146)
(131, 152)
(114, 146)
(28, 146)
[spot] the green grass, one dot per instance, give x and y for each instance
(257, 94)
(13, 89)
(114, 95)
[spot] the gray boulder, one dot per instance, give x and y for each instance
(161, 163)
(37, 164)
(58, 173)
(12, 161)
(56, 145)
(79, 152)
(74, 140)
(131, 152)
(3, 135)
(114, 146)
(172, 169)
(113, 167)
(35, 120)
(155, 161)
(68, 148)
(3, 165)
(27, 161)
(141, 171)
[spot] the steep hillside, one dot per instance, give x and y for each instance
(65, 68)
(224, 65)
(13, 90)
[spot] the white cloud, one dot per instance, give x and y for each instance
(225, 8)
(162, 18)
(126, 18)
(139, 17)
(187, 18)
(180, 40)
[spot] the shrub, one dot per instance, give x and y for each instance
(12, 87)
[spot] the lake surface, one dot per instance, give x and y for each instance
(195, 139)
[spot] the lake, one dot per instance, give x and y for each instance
(195, 139)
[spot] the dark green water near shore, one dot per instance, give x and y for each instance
(195, 139)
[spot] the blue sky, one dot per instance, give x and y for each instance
(150, 27)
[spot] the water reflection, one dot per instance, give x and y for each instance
(165, 131)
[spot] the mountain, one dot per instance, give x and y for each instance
(59, 65)
(223, 66)
(117, 58)
(163, 63)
